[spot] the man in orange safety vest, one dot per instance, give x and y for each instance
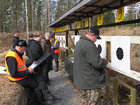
(55, 50)
(18, 72)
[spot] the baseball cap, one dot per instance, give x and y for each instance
(47, 33)
(31, 35)
(95, 31)
(52, 36)
(22, 43)
(16, 31)
(36, 34)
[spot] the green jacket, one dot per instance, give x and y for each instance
(88, 66)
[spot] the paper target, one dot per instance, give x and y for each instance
(86, 22)
(78, 24)
(100, 19)
(63, 41)
(120, 53)
(60, 40)
(56, 37)
(101, 45)
(76, 39)
(120, 14)
(3, 70)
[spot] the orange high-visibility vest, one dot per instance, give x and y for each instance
(56, 50)
(20, 65)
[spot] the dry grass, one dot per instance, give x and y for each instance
(5, 42)
(9, 91)
(120, 31)
(135, 57)
(2, 56)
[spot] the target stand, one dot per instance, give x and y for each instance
(119, 52)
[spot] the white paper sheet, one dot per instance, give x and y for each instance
(60, 37)
(2, 70)
(76, 39)
(103, 44)
(124, 43)
(64, 42)
(33, 65)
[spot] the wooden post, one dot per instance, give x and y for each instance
(71, 41)
(133, 14)
(108, 57)
(115, 92)
(67, 43)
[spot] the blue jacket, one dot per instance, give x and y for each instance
(55, 47)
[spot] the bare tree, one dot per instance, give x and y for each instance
(32, 15)
(49, 11)
(27, 18)
(46, 16)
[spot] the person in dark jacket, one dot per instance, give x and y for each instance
(55, 50)
(36, 53)
(46, 46)
(18, 72)
(15, 38)
(89, 74)
(28, 51)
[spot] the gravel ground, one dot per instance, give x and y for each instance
(60, 87)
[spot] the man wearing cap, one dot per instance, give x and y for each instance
(46, 46)
(89, 74)
(55, 50)
(18, 72)
(37, 52)
(15, 37)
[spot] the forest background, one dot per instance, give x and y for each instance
(43, 12)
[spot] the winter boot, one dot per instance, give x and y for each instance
(38, 97)
(57, 66)
(49, 98)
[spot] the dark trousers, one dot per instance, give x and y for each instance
(47, 68)
(35, 82)
(55, 56)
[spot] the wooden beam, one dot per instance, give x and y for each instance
(100, 6)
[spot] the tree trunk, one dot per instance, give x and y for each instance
(0, 19)
(26, 18)
(57, 9)
(32, 15)
(46, 16)
(49, 12)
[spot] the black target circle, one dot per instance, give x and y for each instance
(99, 48)
(119, 53)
